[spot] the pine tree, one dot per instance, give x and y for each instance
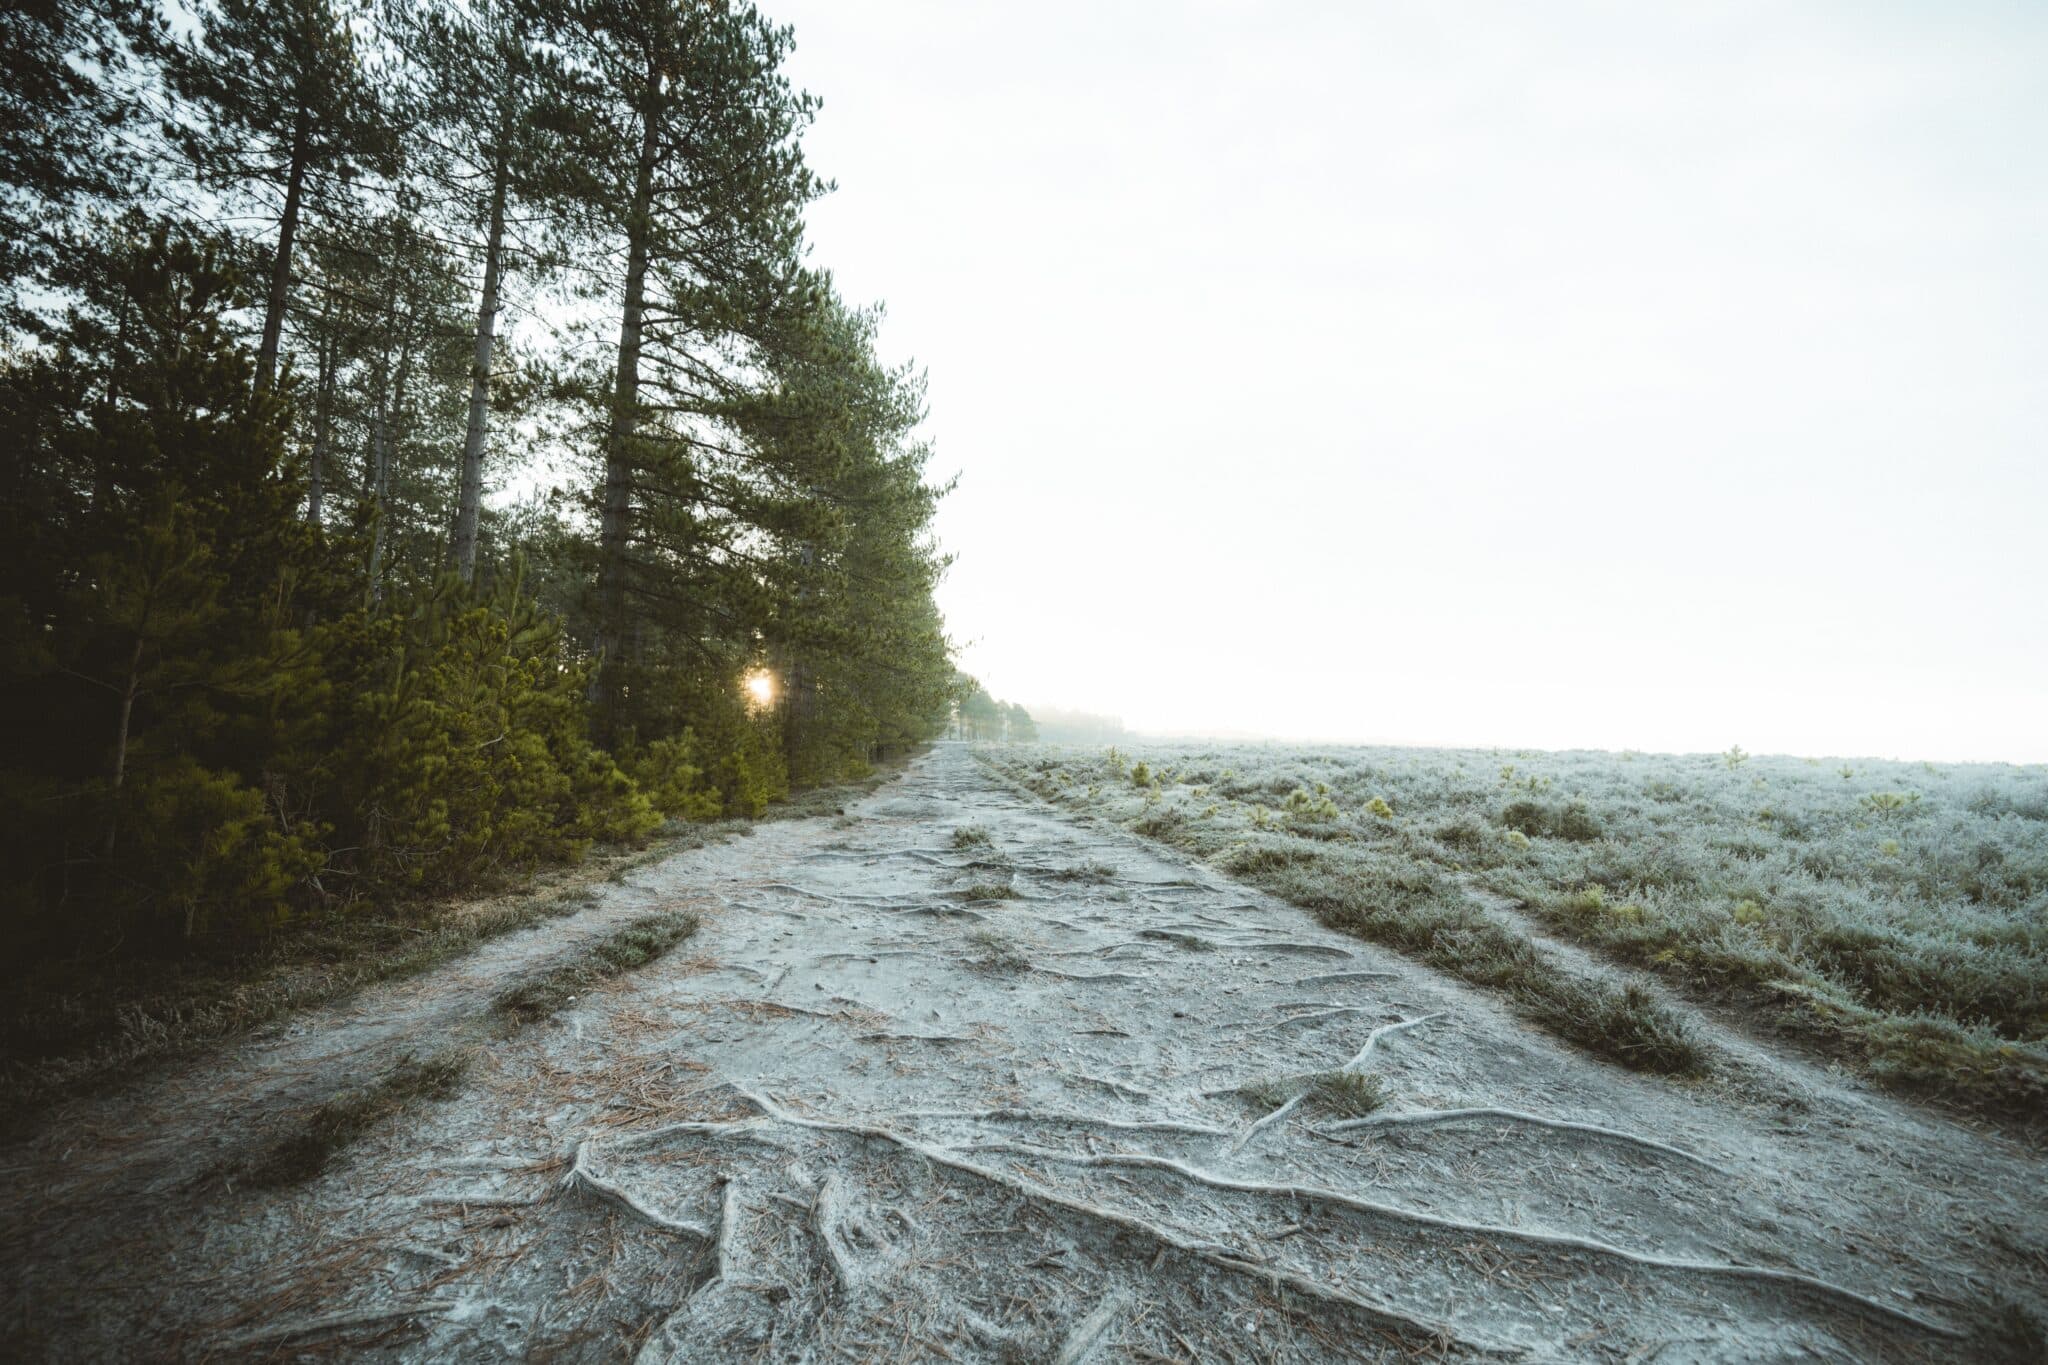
(688, 113)
(67, 107)
(491, 135)
(285, 115)
(237, 678)
(141, 652)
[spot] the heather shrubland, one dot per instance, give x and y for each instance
(1894, 913)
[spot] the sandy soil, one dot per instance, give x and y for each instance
(844, 1121)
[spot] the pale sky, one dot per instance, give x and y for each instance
(1650, 375)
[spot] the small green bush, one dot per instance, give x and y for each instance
(1575, 823)
(672, 774)
(1532, 819)
(1526, 818)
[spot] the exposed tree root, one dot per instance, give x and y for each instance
(1065, 1116)
(1372, 1039)
(1090, 976)
(1296, 949)
(826, 1219)
(1179, 939)
(484, 1201)
(1334, 978)
(1089, 1330)
(786, 889)
(936, 856)
(1414, 1329)
(728, 1224)
(1113, 1087)
(1277, 1116)
(871, 956)
(582, 1178)
(1314, 1015)
(1311, 1194)
(1434, 1116)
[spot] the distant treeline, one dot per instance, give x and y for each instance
(289, 288)
(979, 716)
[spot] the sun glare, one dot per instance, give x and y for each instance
(761, 688)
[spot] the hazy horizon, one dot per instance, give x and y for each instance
(1583, 377)
(1225, 735)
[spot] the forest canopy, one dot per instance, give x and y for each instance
(429, 449)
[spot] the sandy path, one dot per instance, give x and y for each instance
(820, 1131)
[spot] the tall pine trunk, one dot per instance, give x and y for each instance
(118, 768)
(799, 690)
(323, 429)
(384, 419)
(615, 528)
(469, 503)
(281, 267)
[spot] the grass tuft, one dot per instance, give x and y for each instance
(636, 944)
(1085, 872)
(995, 953)
(348, 1115)
(1332, 1094)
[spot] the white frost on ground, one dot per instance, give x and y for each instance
(835, 1125)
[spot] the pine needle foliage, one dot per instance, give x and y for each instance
(269, 650)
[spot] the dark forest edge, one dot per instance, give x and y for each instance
(76, 1025)
(285, 291)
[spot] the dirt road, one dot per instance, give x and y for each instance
(957, 1076)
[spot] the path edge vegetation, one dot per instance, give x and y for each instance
(1391, 895)
(146, 1015)
(352, 1112)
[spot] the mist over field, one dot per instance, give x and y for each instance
(1576, 376)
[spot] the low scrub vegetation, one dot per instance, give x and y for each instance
(339, 1121)
(70, 1025)
(347, 1116)
(638, 943)
(1896, 914)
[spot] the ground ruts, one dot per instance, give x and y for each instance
(864, 1114)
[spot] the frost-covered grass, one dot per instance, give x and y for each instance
(1897, 912)
(1332, 1094)
(635, 944)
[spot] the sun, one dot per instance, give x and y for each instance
(761, 687)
